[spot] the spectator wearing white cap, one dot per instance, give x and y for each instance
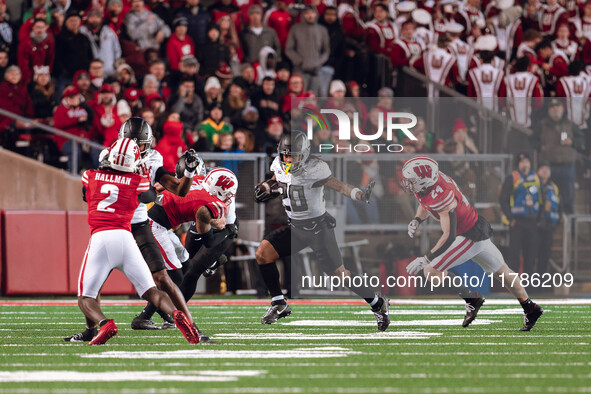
(486, 42)
(424, 27)
(403, 12)
(460, 49)
(504, 23)
(486, 82)
(438, 65)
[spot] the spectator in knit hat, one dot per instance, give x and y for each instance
(213, 92)
(38, 49)
(70, 41)
(132, 96)
(126, 76)
(106, 123)
(13, 98)
(188, 105)
(256, 36)
(267, 101)
(198, 20)
(308, 48)
(144, 27)
(171, 146)
(71, 117)
(224, 75)
(214, 125)
(43, 95)
(104, 42)
(180, 43)
(82, 82)
(212, 53)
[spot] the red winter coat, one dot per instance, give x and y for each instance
(176, 49)
(100, 124)
(35, 54)
(14, 98)
(67, 119)
(171, 146)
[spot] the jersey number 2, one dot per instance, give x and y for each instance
(113, 194)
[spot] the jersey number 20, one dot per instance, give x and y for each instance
(113, 194)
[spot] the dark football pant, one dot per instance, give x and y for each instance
(147, 243)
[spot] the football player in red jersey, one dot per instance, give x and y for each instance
(113, 193)
(466, 235)
(207, 206)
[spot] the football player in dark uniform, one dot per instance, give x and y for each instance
(300, 180)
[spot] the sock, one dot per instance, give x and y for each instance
(468, 295)
(189, 283)
(176, 276)
(368, 294)
(528, 305)
(278, 300)
(148, 312)
(270, 275)
(90, 330)
(104, 321)
(165, 316)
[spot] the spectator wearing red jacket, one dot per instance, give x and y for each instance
(179, 44)
(281, 20)
(13, 98)
(171, 145)
(38, 49)
(106, 122)
(72, 118)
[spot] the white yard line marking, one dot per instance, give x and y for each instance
(459, 311)
(123, 376)
(360, 323)
(318, 352)
(332, 336)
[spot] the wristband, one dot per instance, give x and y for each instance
(354, 193)
(418, 219)
(189, 174)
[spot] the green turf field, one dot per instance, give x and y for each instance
(320, 348)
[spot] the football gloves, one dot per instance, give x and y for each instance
(191, 160)
(366, 193)
(266, 190)
(232, 230)
(415, 266)
(413, 226)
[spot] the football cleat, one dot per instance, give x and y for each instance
(202, 337)
(143, 324)
(106, 332)
(84, 336)
(188, 329)
(211, 270)
(382, 314)
(167, 325)
(530, 319)
(472, 309)
(275, 312)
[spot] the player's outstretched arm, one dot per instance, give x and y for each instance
(354, 193)
(176, 186)
(448, 221)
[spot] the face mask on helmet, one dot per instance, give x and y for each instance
(294, 150)
(418, 174)
(139, 130)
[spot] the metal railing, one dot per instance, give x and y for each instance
(75, 139)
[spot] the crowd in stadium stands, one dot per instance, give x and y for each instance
(221, 78)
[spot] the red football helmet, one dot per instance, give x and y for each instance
(124, 155)
(222, 183)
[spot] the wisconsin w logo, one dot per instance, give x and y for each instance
(224, 182)
(423, 171)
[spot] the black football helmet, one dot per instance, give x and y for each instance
(295, 145)
(138, 130)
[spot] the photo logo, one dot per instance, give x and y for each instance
(388, 120)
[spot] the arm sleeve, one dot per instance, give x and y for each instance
(159, 173)
(148, 196)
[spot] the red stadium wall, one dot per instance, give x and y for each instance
(42, 252)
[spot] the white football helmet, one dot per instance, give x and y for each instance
(124, 155)
(419, 173)
(222, 183)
